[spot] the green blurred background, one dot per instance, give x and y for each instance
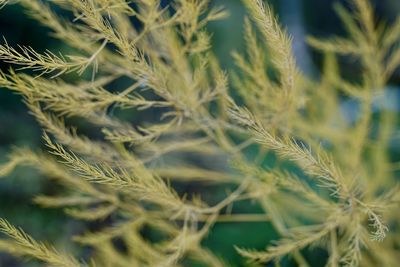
(18, 128)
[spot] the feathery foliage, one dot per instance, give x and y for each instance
(333, 185)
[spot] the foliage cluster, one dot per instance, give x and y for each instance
(333, 184)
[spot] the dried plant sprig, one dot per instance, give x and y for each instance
(29, 247)
(278, 41)
(300, 239)
(289, 149)
(46, 62)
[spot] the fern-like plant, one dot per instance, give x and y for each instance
(332, 186)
